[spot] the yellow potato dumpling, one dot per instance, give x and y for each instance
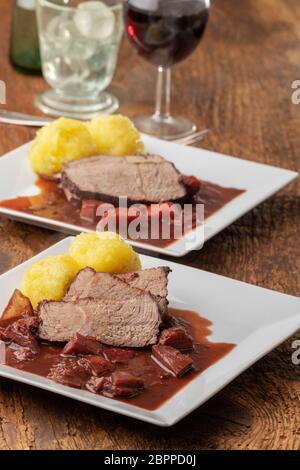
(104, 252)
(58, 143)
(49, 278)
(116, 135)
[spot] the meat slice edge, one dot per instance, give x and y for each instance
(131, 323)
(106, 286)
(146, 179)
(153, 280)
(101, 286)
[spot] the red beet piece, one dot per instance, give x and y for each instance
(95, 365)
(122, 384)
(192, 184)
(172, 359)
(80, 344)
(176, 337)
(119, 356)
(69, 372)
(125, 379)
(21, 332)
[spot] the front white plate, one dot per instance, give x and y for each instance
(256, 319)
(259, 181)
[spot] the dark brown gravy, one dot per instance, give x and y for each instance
(52, 204)
(157, 389)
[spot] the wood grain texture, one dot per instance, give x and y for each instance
(237, 83)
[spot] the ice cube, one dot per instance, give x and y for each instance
(61, 31)
(94, 20)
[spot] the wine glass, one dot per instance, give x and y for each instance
(165, 32)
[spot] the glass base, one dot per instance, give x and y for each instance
(167, 128)
(53, 103)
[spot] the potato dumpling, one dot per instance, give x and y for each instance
(116, 135)
(49, 278)
(104, 252)
(60, 142)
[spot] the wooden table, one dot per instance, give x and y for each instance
(238, 83)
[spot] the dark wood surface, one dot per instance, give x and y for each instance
(238, 83)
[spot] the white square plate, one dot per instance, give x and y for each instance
(256, 319)
(259, 181)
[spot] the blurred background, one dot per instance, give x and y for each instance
(237, 82)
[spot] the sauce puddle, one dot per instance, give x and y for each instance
(159, 387)
(51, 203)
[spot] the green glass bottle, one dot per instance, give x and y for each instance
(24, 50)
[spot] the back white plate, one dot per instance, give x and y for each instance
(259, 181)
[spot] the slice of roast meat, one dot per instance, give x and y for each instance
(82, 345)
(145, 179)
(129, 323)
(21, 332)
(119, 287)
(176, 337)
(122, 384)
(100, 286)
(172, 359)
(153, 280)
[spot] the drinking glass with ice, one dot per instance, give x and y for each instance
(79, 43)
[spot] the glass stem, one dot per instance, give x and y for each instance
(163, 94)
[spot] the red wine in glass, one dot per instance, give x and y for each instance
(165, 32)
(168, 34)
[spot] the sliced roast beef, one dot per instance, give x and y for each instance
(132, 323)
(101, 286)
(144, 179)
(82, 345)
(153, 280)
(88, 283)
(172, 359)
